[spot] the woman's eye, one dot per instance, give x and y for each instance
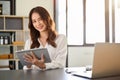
(33, 21)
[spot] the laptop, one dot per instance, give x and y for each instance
(106, 61)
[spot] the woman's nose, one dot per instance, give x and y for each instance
(38, 23)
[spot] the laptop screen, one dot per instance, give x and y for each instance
(106, 59)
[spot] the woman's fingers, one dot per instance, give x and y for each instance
(32, 59)
(42, 58)
(28, 57)
(27, 60)
(33, 55)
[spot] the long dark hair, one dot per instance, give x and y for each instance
(35, 34)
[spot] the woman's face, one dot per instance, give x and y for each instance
(38, 23)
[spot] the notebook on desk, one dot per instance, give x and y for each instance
(106, 61)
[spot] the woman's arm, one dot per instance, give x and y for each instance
(59, 59)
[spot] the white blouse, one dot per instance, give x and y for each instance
(57, 55)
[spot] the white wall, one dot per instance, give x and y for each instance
(23, 7)
(80, 56)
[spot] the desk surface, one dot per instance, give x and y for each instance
(56, 74)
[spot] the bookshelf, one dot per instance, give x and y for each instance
(13, 34)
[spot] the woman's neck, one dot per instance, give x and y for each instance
(43, 38)
(43, 35)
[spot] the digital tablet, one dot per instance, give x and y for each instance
(36, 51)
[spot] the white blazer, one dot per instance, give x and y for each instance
(57, 55)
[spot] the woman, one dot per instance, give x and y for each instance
(44, 35)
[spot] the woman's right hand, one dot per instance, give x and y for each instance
(31, 58)
(28, 58)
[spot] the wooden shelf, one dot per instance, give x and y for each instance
(18, 43)
(6, 56)
(17, 28)
(4, 66)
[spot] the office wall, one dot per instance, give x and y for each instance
(23, 7)
(80, 56)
